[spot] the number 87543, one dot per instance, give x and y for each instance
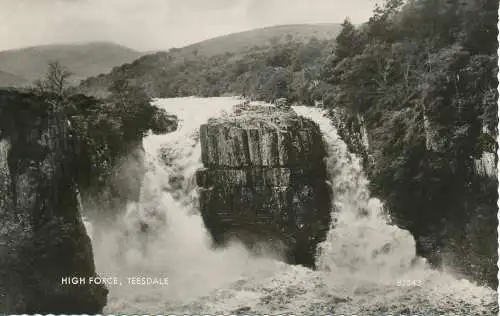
(409, 283)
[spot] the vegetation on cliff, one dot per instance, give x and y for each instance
(257, 116)
(105, 131)
(422, 76)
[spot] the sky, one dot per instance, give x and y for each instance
(148, 25)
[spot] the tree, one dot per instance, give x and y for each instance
(133, 106)
(55, 81)
(274, 41)
(348, 41)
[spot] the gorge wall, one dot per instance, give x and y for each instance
(264, 180)
(42, 237)
(447, 200)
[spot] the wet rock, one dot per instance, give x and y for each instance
(42, 236)
(162, 122)
(265, 179)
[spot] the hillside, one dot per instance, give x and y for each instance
(83, 60)
(224, 64)
(243, 41)
(10, 80)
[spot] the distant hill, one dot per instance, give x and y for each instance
(83, 60)
(201, 66)
(242, 41)
(10, 80)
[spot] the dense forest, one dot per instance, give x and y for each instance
(421, 78)
(417, 81)
(285, 68)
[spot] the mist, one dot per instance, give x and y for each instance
(159, 24)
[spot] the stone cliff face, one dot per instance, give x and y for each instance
(352, 129)
(42, 237)
(265, 181)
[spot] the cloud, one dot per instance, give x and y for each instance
(158, 24)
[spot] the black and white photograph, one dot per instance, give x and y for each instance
(249, 157)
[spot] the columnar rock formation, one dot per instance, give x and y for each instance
(265, 180)
(42, 237)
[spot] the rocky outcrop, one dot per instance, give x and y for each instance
(42, 237)
(265, 181)
(352, 129)
(110, 154)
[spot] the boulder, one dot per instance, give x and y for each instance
(42, 236)
(264, 178)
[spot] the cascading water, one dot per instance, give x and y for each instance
(365, 265)
(361, 241)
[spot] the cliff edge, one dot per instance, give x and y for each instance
(42, 237)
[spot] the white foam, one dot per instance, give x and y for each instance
(361, 262)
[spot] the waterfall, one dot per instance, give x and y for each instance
(361, 241)
(365, 264)
(486, 165)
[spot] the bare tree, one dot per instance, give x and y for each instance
(55, 81)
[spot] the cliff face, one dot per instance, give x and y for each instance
(264, 180)
(352, 130)
(42, 237)
(446, 199)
